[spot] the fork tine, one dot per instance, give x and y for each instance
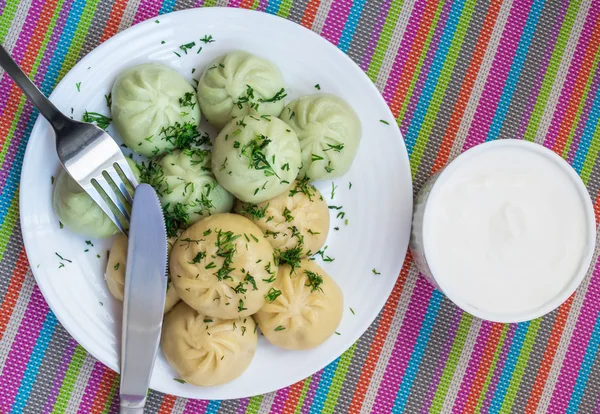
(118, 186)
(124, 171)
(110, 193)
(99, 199)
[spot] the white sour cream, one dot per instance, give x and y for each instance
(507, 230)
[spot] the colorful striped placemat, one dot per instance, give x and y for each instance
(455, 74)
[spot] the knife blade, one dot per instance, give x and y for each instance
(144, 297)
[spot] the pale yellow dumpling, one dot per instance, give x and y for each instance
(295, 219)
(205, 350)
(303, 309)
(115, 272)
(222, 266)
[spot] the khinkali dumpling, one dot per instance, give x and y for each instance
(303, 309)
(239, 84)
(256, 159)
(295, 219)
(115, 272)
(78, 211)
(222, 266)
(329, 132)
(185, 185)
(205, 350)
(154, 109)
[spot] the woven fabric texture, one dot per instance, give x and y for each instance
(455, 74)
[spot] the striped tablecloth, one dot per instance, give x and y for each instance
(455, 74)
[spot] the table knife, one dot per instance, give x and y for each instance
(144, 298)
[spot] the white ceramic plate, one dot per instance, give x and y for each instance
(378, 206)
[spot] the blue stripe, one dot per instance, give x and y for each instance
(434, 75)
(167, 6)
(351, 24)
(273, 6)
(585, 370)
(509, 367)
(213, 407)
(33, 366)
(12, 181)
(323, 388)
(515, 70)
(588, 133)
(417, 355)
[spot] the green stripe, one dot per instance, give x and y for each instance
(8, 226)
(492, 368)
(284, 8)
(303, 395)
(338, 380)
(255, 4)
(6, 18)
(111, 395)
(422, 56)
(254, 404)
(550, 76)
(582, 102)
(391, 20)
(210, 3)
(515, 381)
(78, 38)
(453, 358)
(591, 157)
(66, 388)
(441, 86)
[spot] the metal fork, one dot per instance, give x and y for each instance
(87, 152)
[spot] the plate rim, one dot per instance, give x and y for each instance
(331, 48)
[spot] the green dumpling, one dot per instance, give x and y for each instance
(153, 108)
(329, 132)
(186, 186)
(239, 84)
(78, 212)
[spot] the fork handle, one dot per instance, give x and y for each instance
(56, 118)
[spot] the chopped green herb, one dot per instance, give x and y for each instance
(315, 157)
(318, 87)
(314, 233)
(277, 97)
(341, 215)
(241, 307)
(335, 207)
(208, 320)
(337, 333)
(375, 272)
(336, 148)
(314, 281)
(207, 39)
(254, 151)
(78, 85)
(187, 46)
(336, 228)
(52, 180)
(177, 379)
(95, 118)
(279, 328)
(211, 265)
(188, 99)
(156, 21)
(272, 294)
(349, 186)
(178, 55)
(198, 258)
(384, 122)
(108, 99)
(116, 267)
(352, 310)
(303, 186)
(287, 214)
(62, 258)
(333, 187)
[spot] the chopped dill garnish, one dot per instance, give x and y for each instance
(314, 281)
(272, 294)
(100, 120)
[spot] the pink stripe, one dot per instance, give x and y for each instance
(471, 371)
(279, 401)
(235, 3)
(60, 375)
(567, 88)
(18, 52)
(402, 54)
(427, 63)
(243, 405)
(336, 19)
(497, 370)
(262, 5)
(91, 390)
(312, 391)
(22, 348)
(375, 34)
(540, 74)
(195, 406)
(498, 74)
(146, 10)
(403, 348)
(442, 360)
(578, 346)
